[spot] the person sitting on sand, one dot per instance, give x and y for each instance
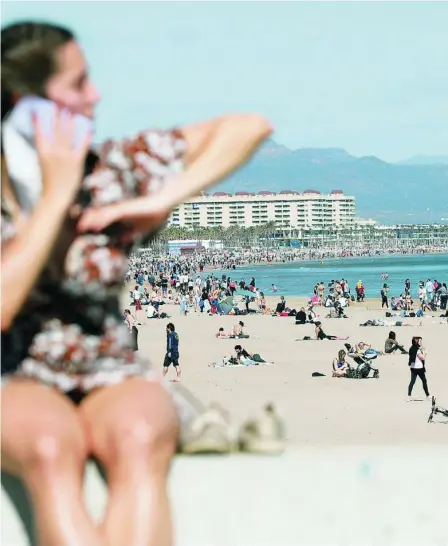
(301, 316)
(320, 334)
(340, 366)
(238, 330)
(310, 311)
(391, 345)
(151, 311)
(281, 305)
(395, 304)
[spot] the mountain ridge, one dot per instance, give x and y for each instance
(388, 192)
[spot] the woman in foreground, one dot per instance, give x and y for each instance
(72, 387)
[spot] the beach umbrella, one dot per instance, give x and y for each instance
(225, 307)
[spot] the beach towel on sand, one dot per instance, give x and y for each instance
(231, 362)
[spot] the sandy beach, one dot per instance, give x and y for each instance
(318, 411)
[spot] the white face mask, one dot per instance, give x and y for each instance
(23, 166)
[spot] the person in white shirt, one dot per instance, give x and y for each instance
(429, 290)
(422, 296)
(151, 311)
(417, 357)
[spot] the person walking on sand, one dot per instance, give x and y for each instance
(384, 301)
(417, 357)
(172, 350)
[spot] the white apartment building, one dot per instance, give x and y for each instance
(288, 209)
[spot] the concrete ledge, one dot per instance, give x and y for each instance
(316, 497)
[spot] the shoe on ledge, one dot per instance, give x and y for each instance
(210, 433)
(265, 435)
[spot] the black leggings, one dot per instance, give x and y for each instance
(384, 302)
(419, 372)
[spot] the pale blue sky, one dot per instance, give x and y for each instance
(368, 77)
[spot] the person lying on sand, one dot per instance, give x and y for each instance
(246, 358)
(340, 365)
(228, 335)
(362, 347)
(320, 335)
(224, 335)
(381, 322)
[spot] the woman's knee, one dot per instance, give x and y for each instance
(40, 434)
(151, 439)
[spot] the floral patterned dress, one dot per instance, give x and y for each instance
(70, 333)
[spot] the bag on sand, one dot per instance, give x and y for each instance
(257, 358)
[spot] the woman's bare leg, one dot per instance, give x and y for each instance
(43, 442)
(133, 427)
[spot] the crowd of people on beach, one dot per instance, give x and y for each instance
(184, 282)
(336, 295)
(232, 258)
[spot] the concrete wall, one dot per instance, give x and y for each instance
(343, 496)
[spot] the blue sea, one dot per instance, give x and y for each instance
(299, 278)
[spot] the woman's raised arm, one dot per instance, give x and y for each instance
(27, 242)
(209, 152)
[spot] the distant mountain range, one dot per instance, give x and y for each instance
(412, 191)
(425, 160)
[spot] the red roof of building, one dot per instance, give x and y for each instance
(266, 193)
(337, 192)
(289, 192)
(312, 191)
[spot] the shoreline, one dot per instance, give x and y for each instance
(209, 268)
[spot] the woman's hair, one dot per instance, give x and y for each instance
(414, 349)
(238, 348)
(170, 327)
(392, 335)
(28, 52)
(318, 323)
(341, 355)
(221, 329)
(241, 323)
(127, 312)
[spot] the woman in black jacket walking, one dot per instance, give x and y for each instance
(417, 356)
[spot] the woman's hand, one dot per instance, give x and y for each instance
(62, 164)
